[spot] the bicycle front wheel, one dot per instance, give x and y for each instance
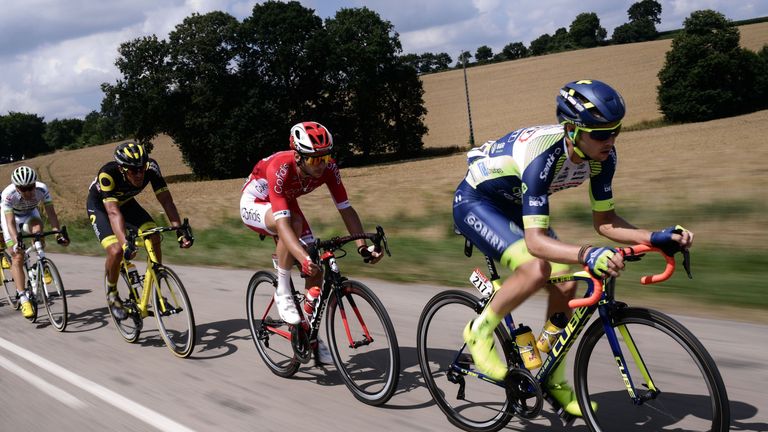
(270, 334)
(130, 327)
(468, 401)
(670, 369)
(8, 284)
(363, 343)
(53, 295)
(173, 312)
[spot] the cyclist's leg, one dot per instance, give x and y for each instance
(102, 228)
(17, 262)
(259, 217)
(494, 232)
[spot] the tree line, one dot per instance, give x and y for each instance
(584, 32)
(227, 91)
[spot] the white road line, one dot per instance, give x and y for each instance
(120, 402)
(45, 387)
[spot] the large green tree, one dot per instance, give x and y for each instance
(63, 133)
(707, 75)
(586, 31)
(21, 136)
(228, 92)
(643, 17)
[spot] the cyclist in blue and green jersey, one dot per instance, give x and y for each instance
(502, 206)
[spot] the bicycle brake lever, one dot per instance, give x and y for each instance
(687, 262)
(383, 237)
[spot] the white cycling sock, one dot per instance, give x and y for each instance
(283, 282)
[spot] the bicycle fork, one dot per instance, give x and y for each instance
(621, 363)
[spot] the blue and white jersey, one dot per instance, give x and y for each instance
(526, 166)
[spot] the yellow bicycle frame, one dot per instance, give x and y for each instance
(150, 276)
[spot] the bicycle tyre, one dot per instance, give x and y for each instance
(54, 297)
(438, 341)
(8, 283)
(264, 322)
(173, 312)
(370, 371)
(130, 327)
(669, 364)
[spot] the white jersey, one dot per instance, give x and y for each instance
(14, 202)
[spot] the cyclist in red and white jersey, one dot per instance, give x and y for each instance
(20, 202)
(268, 206)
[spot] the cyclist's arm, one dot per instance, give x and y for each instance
(612, 226)
(541, 245)
(10, 221)
(353, 223)
(166, 200)
(116, 220)
(53, 218)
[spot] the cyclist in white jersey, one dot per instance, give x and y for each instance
(20, 201)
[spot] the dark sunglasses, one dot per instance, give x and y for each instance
(134, 170)
(26, 188)
(601, 134)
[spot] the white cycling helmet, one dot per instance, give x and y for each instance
(311, 139)
(23, 176)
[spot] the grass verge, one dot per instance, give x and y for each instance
(734, 278)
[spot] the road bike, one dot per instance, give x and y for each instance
(681, 387)
(170, 302)
(41, 273)
(370, 365)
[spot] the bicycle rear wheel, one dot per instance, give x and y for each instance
(363, 343)
(8, 284)
(130, 327)
(173, 312)
(468, 401)
(53, 296)
(270, 334)
(691, 394)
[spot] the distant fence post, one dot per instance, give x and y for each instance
(469, 110)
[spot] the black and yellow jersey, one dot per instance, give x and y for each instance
(111, 184)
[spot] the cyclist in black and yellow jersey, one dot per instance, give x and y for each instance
(112, 208)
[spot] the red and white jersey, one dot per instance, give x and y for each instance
(276, 180)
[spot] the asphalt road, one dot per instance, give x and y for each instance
(89, 379)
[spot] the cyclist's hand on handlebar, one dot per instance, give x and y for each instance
(60, 239)
(672, 240)
(604, 261)
(371, 254)
(184, 240)
(129, 251)
(308, 267)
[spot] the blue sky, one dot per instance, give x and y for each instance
(55, 54)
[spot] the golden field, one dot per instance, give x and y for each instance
(684, 166)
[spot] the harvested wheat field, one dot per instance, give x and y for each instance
(717, 163)
(506, 96)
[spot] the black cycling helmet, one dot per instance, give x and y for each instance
(130, 154)
(589, 103)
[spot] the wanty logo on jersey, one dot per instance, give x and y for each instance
(489, 235)
(550, 160)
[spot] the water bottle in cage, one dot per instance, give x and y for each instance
(310, 299)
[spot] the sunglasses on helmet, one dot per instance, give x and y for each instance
(26, 188)
(601, 134)
(317, 160)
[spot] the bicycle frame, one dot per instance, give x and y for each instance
(150, 274)
(37, 249)
(598, 297)
(332, 284)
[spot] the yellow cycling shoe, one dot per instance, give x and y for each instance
(484, 353)
(27, 310)
(47, 278)
(566, 397)
(6, 263)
